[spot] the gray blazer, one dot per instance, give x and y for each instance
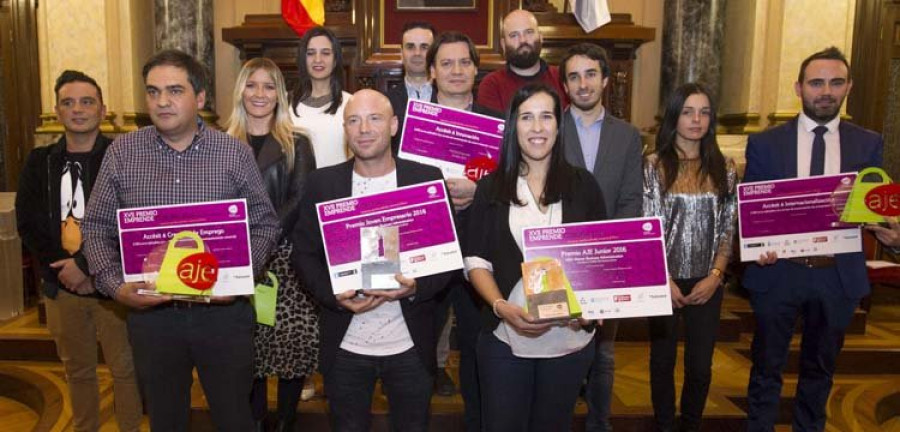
(618, 169)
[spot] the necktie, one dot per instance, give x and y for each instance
(817, 162)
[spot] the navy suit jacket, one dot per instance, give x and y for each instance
(772, 155)
(308, 257)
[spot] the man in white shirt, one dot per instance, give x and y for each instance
(381, 334)
(823, 289)
(417, 37)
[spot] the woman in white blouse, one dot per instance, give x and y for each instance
(318, 100)
(530, 372)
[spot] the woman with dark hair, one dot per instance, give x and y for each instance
(691, 185)
(530, 371)
(318, 100)
(290, 348)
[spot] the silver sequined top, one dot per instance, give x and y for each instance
(699, 225)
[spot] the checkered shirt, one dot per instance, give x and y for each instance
(141, 170)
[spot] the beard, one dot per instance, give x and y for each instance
(525, 56)
(822, 114)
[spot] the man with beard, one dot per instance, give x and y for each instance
(416, 38)
(823, 289)
(522, 42)
(610, 149)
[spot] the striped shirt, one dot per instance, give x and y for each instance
(141, 170)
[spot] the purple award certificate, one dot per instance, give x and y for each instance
(217, 228)
(796, 217)
(453, 140)
(617, 268)
(428, 243)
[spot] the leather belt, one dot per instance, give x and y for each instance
(818, 261)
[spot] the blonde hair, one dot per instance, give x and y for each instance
(282, 127)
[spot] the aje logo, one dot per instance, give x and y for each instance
(884, 200)
(199, 271)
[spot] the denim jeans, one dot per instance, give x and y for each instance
(350, 382)
(528, 394)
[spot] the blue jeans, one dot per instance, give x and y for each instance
(600, 381)
(350, 383)
(169, 341)
(528, 394)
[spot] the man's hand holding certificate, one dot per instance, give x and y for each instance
(796, 218)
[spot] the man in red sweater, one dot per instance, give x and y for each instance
(522, 42)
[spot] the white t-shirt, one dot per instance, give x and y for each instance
(381, 331)
(326, 131)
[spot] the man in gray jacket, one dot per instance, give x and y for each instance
(611, 149)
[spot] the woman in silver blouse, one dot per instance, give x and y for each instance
(691, 185)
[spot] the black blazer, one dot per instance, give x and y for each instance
(285, 187)
(488, 236)
(308, 258)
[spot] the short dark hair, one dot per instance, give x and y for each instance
(70, 76)
(830, 53)
(451, 37)
(589, 50)
(171, 57)
(303, 88)
(410, 25)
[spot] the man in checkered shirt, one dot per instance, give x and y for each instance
(179, 160)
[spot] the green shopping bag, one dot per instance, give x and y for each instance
(861, 206)
(264, 300)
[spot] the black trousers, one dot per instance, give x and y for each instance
(701, 327)
(467, 306)
(169, 341)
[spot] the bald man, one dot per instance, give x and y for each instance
(521, 41)
(386, 334)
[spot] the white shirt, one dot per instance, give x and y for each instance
(325, 131)
(381, 331)
(558, 341)
(805, 137)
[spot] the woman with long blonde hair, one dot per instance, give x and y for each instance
(260, 118)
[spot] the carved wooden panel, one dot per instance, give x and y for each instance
(372, 56)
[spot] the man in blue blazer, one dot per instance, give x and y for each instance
(824, 290)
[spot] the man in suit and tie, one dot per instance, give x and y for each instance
(386, 334)
(416, 38)
(824, 289)
(611, 149)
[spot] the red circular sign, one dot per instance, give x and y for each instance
(884, 200)
(199, 271)
(479, 166)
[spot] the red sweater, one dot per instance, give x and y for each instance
(498, 87)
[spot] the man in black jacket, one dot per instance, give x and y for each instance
(386, 334)
(53, 191)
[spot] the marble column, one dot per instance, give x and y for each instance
(187, 25)
(692, 45)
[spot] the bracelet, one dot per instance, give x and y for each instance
(494, 306)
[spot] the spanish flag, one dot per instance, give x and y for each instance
(301, 15)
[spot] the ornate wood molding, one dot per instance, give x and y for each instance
(369, 62)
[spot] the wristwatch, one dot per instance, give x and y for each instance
(717, 273)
